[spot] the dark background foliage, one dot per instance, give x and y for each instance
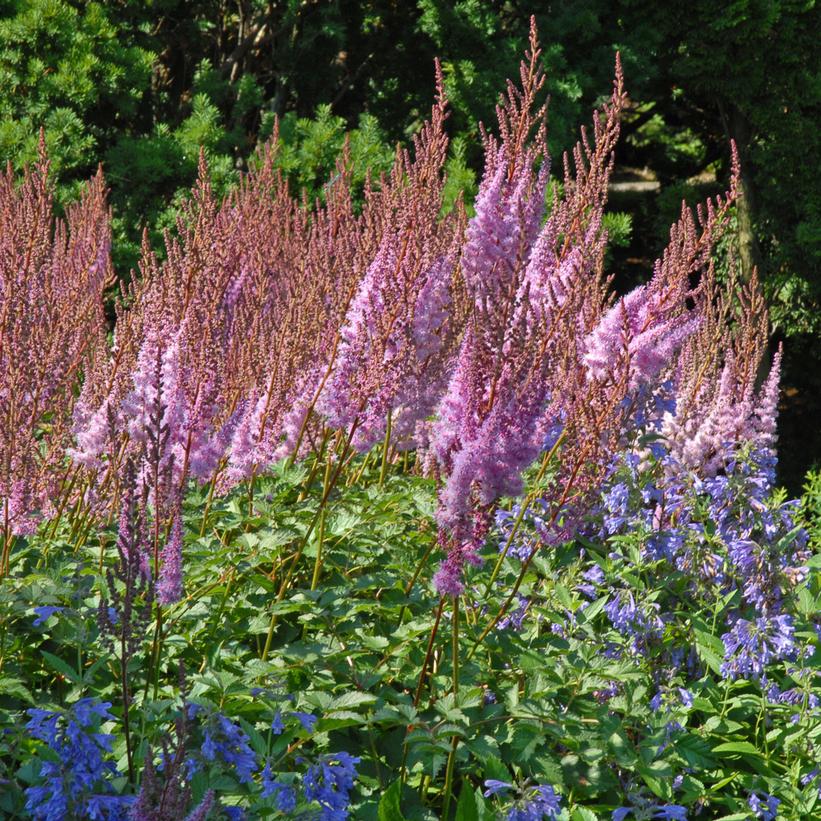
(140, 85)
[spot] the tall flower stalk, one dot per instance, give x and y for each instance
(533, 287)
(52, 276)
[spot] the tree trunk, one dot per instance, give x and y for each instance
(738, 129)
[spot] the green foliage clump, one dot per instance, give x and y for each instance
(315, 645)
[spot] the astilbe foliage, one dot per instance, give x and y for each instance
(52, 276)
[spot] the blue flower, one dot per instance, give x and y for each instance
(306, 720)
(284, 794)
(634, 620)
(532, 803)
(329, 782)
(77, 784)
(659, 812)
(536, 803)
(277, 725)
(515, 619)
(750, 646)
(670, 812)
(810, 776)
(43, 614)
(670, 698)
(494, 787)
(765, 807)
(227, 741)
(616, 507)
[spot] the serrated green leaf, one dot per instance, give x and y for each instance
(738, 748)
(466, 807)
(15, 687)
(348, 700)
(60, 666)
(389, 808)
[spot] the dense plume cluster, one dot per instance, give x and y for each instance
(274, 327)
(52, 276)
(488, 353)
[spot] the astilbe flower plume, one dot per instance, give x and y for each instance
(294, 308)
(401, 314)
(164, 790)
(648, 335)
(718, 403)
(169, 583)
(651, 324)
(52, 277)
(531, 290)
(170, 355)
(164, 794)
(124, 614)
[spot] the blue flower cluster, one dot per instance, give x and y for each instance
(530, 803)
(751, 645)
(284, 794)
(514, 620)
(638, 621)
(726, 532)
(76, 779)
(670, 698)
(765, 807)
(656, 812)
(329, 782)
(225, 741)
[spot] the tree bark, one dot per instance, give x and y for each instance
(738, 129)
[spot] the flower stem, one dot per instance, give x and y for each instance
(448, 789)
(385, 450)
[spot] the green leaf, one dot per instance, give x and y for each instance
(695, 751)
(466, 808)
(591, 611)
(710, 649)
(494, 769)
(738, 748)
(60, 666)
(15, 687)
(349, 700)
(389, 808)
(583, 814)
